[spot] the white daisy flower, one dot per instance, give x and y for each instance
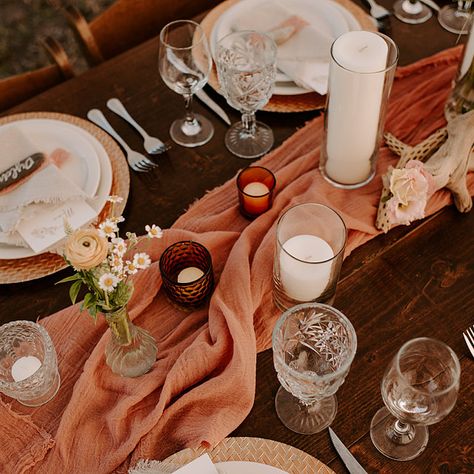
(116, 263)
(130, 268)
(108, 228)
(154, 231)
(119, 246)
(108, 281)
(115, 199)
(141, 260)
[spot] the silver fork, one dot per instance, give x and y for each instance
(137, 161)
(152, 145)
(377, 11)
(469, 338)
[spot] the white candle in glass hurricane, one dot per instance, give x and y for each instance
(302, 277)
(189, 274)
(25, 367)
(355, 98)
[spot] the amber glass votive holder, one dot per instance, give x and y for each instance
(255, 185)
(187, 258)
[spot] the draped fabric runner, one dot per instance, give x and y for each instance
(202, 385)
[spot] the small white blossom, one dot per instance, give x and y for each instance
(108, 228)
(116, 263)
(117, 219)
(154, 231)
(130, 268)
(108, 281)
(115, 199)
(141, 260)
(119, 246)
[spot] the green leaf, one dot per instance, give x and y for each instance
(74, 291)
(74, 277)
(89, 300)
(93, 312)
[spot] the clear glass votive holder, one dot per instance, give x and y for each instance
(186, 271)
(361, 72)
(255, 185)
(309, 250)
(28, 364)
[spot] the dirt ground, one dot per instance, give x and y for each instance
(24, 22)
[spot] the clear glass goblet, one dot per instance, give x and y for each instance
(246, 68)
(313, 347)
(419, 388)
(411, 11)
(456, 18)
(185, 63)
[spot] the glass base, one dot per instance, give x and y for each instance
(454, 20)
(240, 143)
(190, 136)
(412, 13)
(45, 397)
(301, 419)
(398, 445)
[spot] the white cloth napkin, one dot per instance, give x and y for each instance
(303, 50)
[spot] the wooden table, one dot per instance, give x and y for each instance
(415, 281)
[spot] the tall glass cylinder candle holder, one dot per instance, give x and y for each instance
(255, 185)
(28, 364)
(309, 251)
(186, 270)
(361, 72)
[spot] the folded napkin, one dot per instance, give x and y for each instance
(200, 465)
(202, 385)
(303, 50)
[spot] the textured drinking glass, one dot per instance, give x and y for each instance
(361, 71)
(313, 348)
(28, 365)
(255, 185)
(411, 11)
(456, 17)
(419, 388)
(246, 67)
(186, 270)
(309, 250)
(185, 63)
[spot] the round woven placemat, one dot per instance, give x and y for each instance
(286, 103)
(264, 451)
(37, 266)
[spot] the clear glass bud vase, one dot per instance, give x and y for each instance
(131, 351)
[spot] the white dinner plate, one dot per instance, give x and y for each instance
(89, 167)
(246, 467)
(328, 16)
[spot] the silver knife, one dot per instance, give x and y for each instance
(349, 460)
(201, 95)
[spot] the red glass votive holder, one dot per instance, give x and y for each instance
(186, 271)
(255, 185)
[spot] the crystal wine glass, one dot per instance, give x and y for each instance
(411, 11)
(246, 67)
(185, 63)
(456, 18)
(419, 388)
(313, 348)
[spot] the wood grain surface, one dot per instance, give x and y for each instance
(413, 281)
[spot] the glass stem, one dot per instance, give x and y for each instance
(188, 105)
(401, 433)
(464, 6)
(249, 124)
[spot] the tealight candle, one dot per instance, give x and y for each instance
(25, 367)
(305, 266)
(189, 274)
(255, 185)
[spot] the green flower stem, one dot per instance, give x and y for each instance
(119, 325)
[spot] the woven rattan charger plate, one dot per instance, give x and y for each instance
(264, 451)
(286, 103)
(37, 266)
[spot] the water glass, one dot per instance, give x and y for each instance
(28, 364)
(419, 388)
(313, 348)
(246, 68)
(309, 251)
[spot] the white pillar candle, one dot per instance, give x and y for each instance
(256, 189)
(189, 274)
(305, 281)
(355, 98)
(25, 367)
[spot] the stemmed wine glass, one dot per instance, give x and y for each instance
(313, 347)
(419, 388)
(456, 18)
(246, 67)
(411, 11)
(185, 63)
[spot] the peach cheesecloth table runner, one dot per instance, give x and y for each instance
(202, 385)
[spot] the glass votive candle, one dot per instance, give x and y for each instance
(255, 185)
(309, 251)
(28, 364)
(186, 270)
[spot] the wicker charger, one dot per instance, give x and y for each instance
(285, 103)
(37, 266)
